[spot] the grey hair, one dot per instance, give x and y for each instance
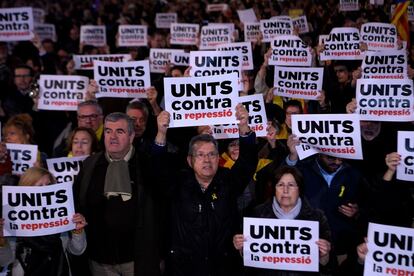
(116, 116)
(205, 138)
(91, 103)
(138, 105)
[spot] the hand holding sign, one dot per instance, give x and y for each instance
(324, 249)
(91, 90)
(292, 142)
(243, 117)
(80, 222)
(163, 121)
(392, 160)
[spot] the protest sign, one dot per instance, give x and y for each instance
(379, 36)
(164, 20)
(405, 170)
(251, 31)
(58, 92)
(16, 24)
(22, 157)
(348, 5)
(254, 104)
(247, 16)
(385, 100)
(45, 31)
(390, 64)
(376, 2)
(122, 79)
(281, 244)
(342, 44)
(65, 169)
(213, 35)
(271, 28)
(184, 34)
(301, 24)
(132, 35)
(298, 82)
(290, 50)
(38, 15)
(85, 62)
(337, 135)
(390, 250)
(197, 101)
(246, 52)
(30, 211)
(217, 7)
(93, 35)
(180, 59)
(159, 59)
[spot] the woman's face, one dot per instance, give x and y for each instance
(287, 192)
(15, 135)
(81, 144)
(43, 181)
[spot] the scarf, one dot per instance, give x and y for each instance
(292, 214)
(117, 180)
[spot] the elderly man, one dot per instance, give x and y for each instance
(203, 202)
(115, 191)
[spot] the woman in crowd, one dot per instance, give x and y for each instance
(82, 141)
(288, 203)
(42, 255)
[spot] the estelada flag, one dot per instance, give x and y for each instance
(400, 19)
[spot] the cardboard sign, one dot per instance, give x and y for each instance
(301, 24)
(336, 135)
(180, 59)
(251, 31)
(342, 44)
(390, 250)
(16, 24)
(271, 28)
(247, 16)
(38, 15)
(22, 157)
(184, 34)
(58, 92)
(30, 211)
(199, 101)
(45, 31)
(390, 64)
(385, 100)
(281, 244)
(164, 20)
(66, 168)
(213, 35)
(132, 35)
(93, 35)
(159, 59)
(298, 82)
(85, 62)
(246, 51)
(217, 8)
(348, 5)
(290, 50)
(254, 104)
(379, 36)
(122, 79)
(405, 170)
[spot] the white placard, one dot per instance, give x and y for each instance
(93, 35)
(213, 35)
(251, 31)
(390, 250)
(271, 28)
(217, 7)
(405, 170)
(184, 34)
(301, 24)
(85, 62)
(337, 135)
(298, 82)
(379, 36)
(246, 52)
(132, 35)
(45, 31)
(180, 58)
(38, 15)
(58, 92)
(197, 101)
(385, 100)
(164, 20)
(281, 244)
(159, 59)
(30, 211)
(65, 169)
(342, 44)
(247, 15)
(290, 50)
(22, 157)
(390, 64)
(16, 24)
(348, 5)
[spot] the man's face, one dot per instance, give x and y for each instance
(342, 74)
(117, 139)
(370, 130)
(291, 110)
(157, 41)
(88, 116)
(330, 164)
(204, 160)
(140, 122)
(22, 78)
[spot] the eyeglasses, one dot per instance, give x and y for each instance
(202, 156)
(91, 117)
(289, 186)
